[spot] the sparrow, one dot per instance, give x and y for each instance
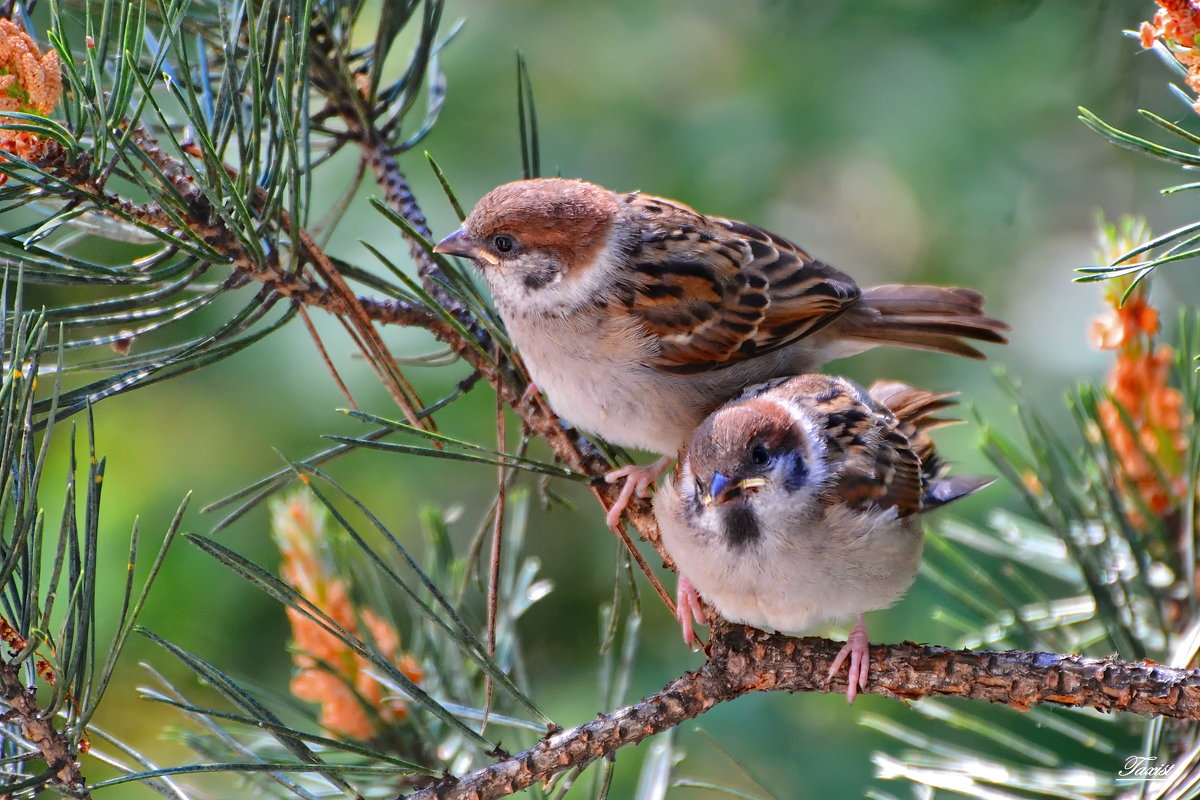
(637, 315)
(800, 500)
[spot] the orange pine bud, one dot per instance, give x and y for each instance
(31, 83)
(329, 672)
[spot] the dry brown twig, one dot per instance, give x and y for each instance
(54, 747)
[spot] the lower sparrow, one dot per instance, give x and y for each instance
(799, 501)
(637, 315)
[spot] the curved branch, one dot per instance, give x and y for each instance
(744, 660)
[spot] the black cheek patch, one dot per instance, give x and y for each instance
(741, 525)
(797, 473)
(539, 278)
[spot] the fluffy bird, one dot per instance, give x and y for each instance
(637, 315)
(799, 501)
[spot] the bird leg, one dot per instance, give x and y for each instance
(638, 480)
(687, 608)
(856, 647)
(531, 391)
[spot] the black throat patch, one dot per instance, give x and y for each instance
(741, 525)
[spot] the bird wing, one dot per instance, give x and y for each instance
(914, 409)
(714, 292)
(872, 460)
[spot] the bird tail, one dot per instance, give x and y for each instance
(914, 410)
(938, 318)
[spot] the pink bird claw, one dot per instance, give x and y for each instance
(688, 608)
(531, 391)
(858, 650)
(638, 480)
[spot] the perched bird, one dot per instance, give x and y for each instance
(637, 316)
(799, 501)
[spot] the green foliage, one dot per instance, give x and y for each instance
(1095, 570)
(192, 133)
(49, 602)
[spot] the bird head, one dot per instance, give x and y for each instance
(749, 460)
(530, 236)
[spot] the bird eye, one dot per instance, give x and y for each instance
(503, 243)
(759, 456)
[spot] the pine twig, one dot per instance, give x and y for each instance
(53, 746)
(744, 660)
(575, 451)
(378, 154)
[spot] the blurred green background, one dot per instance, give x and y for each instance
(899, 141)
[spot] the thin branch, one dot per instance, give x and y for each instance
(538, 420)
(37, 726)
(744, 660)
(326, 360)
(361, 128)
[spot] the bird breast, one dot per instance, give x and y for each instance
(592, 369)
(799, 572)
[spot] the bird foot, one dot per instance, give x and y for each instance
(531, 391)
(857, 648)
(638, 480)
(688, 608)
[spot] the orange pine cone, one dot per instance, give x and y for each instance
(329, 672)
(1139, 380)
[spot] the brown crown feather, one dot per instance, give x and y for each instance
(722, 441)
(570, 218)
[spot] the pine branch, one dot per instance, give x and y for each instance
(53, 746)
(363, 129)
(538, 420)
(575, 451)
(292, 285)
(744, 660)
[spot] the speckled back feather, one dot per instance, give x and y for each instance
(716, 291)
(914, 409)
(877, 442)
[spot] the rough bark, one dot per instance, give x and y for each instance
(744, 660)
(54, 747)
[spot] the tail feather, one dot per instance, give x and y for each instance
(948, 489)
(912, 407)
(914, 410)
(937, 318)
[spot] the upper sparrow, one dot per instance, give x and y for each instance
(637, 315)
(799, 501)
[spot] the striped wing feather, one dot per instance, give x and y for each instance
(716, 292)
(879, 440)
(877, 466)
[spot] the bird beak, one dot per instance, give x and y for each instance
(461, 243)
(723, 488)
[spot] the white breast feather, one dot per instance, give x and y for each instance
(791, 579)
